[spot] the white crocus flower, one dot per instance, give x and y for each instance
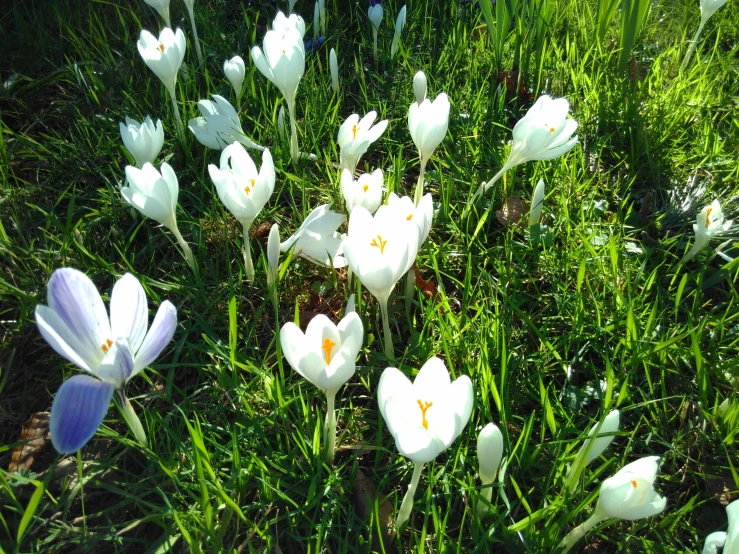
(375, 14)
(399, 24)
(164, 55)
(628, 495)
(325, 355)
(219, 125)
(419, 87)
(708, 8)
(333, 65)
(291, 5)
(544, 133)
(593, 446)
(729, 540)
(190, 4)
(424, 417)
(317, 240)
(428, 123)
(273, 264)
(316, 21)
(355, 137)
(282, 23)
(422, 216)
(154, 194)
(243, 190)
(366, 191)
(143, 140)
(489, 456)
(708, 223)
(235, 71)
(282, 61)
(380, 250)
(537, 203)
(162, 8)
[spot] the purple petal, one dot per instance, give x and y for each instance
(118, 364)
(61, 339)
(129, 314)
(78, 410)
(74, 298)
(160, 333)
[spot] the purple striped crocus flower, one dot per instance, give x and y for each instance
(110, 349)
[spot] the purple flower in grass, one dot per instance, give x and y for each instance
(111, 349)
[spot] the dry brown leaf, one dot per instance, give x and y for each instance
(427, 287)
(358, 449)
(365, 496)
(35, 438)
(512, 211)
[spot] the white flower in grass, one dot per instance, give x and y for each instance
(283, 23)
(708, 224)
(162, 8)
(628, 495)
(243, 190)
(424, 417)
(333, 65)
(729, 540)
(219, 125)
(428, 123)
(163, 54)
(317, 239)
(593, 446)
(399, 24)
(110, 349)
(375, 13)
(366, 191)
(143, 140)
(235, 71)
(421, 216)
(489, 456)
(419, 87)
(325, 355)
(355, 137)
(537, 203)
(273, 254)
(544, 133)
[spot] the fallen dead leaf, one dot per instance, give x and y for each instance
(427, 287)
(365, 496)
(512, 211)
(35, 438)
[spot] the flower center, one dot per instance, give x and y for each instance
(424, 406)
(106, 345)
(161, 47)
(247, 190)
(381, 244)
(633, 483)
(355, 128)
(365, 187)
(327, 346)
(410, 216)
(708, 216)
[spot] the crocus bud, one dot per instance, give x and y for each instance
(235, 71)
(419, 87)
(162, 7)
(489, 452)
(273, 254)
(399, 24)
(593, 447)
(537, 204)
(350, 305)
(281, 121)
(322, 10)
(316, 24)
(333, 65)
(143, 140)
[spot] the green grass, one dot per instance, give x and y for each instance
(235, 459)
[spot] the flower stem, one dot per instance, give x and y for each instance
(693, 44)
(487, 494)
(294, 152)
(579, 532)
(389, 351)
(374, 34)
(485, 186)
(405, 508)
(329, 428)
(419, 183)
(178, 117)
(248, 263)
(195, 37)
(132, 420)
(185, 248)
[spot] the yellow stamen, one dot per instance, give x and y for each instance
(161, 47)
(633, 483)
(424, 407)
(381, 245)
(551, 129)
(708, 216)
(327, 346)
(410, 216)
(365, 187)
(106, 345)
(247, 190)
(355, 128)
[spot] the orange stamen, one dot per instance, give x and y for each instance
(106, 345)
(551, 129)
(708, 216)
(633, 483)
(424, 407)
(327, 346)
(247, 190)
(161, 47)
(410, 216)
(381, 244)
(355, 128)
(365, 187)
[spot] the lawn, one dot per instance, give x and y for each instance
(601, 314)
